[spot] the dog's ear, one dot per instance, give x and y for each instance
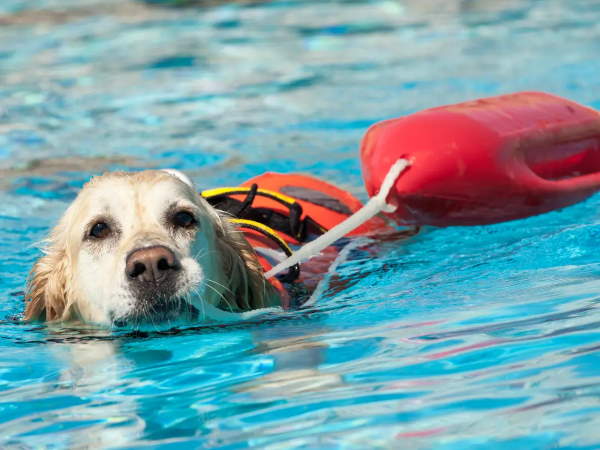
(47, 292)
(180, 176)
(248, 287)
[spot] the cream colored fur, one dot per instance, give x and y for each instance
(86, 281)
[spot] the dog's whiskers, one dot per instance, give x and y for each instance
(220, 294)
(195, 291)
(219, 284)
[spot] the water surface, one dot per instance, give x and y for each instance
(483, 337)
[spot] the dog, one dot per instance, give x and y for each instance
(143, 247)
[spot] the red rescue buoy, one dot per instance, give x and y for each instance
(486, 161)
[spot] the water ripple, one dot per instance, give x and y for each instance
(479, 337)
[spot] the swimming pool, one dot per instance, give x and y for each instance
(483, 337)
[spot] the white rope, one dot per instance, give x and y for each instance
(339, 260)
(374, 206)
(211, 312)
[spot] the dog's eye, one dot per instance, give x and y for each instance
(183, 219)
(100, 230)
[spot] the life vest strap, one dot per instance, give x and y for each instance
(289, 222)
(294, 271)
(237, 190)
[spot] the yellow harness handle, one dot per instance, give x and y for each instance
(269, 232)
(265, 230)
(281, 198)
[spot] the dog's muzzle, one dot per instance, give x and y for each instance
(153, 272)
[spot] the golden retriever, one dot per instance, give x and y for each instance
(144, 247)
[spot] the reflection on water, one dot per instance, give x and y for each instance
(454, 338)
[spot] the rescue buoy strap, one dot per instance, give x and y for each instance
(374, 206)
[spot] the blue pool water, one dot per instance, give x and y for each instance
(483, 337)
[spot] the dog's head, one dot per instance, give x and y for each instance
(143, 246)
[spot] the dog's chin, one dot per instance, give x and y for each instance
(157, 313)
(160, 306)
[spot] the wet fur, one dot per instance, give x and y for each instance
(50, 292)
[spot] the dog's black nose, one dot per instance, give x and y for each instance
(155, 265)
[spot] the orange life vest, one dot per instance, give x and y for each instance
(281, 211)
